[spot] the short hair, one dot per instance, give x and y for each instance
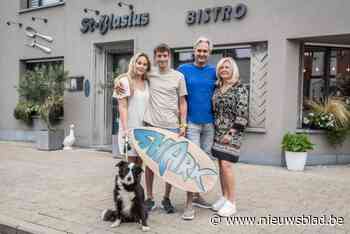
(235, 69)
(162, 47)
(203, 39)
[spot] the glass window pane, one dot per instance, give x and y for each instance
(342, 80)
(242, 57)
(48, 2)
(318, 63)
(34, 3)
(215, 57)
(186, 56)
(242, 53)
(333, 63)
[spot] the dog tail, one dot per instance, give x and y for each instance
(109, 215)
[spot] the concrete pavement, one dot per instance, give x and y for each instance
(65, 192)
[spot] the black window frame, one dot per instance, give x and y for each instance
(326, 76)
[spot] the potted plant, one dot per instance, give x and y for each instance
(296, 146)
(51, 112)
(41, 97)
(333, 116)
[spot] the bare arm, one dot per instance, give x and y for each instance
(118, 88)
(183, 115)
(123, 111)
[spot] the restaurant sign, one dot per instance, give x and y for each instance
(215, 14)
(114, 22)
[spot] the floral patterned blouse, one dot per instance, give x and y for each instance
(231, 118)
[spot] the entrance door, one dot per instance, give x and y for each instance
(110, 60)
(118, 64)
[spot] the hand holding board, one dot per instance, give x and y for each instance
(175, 159)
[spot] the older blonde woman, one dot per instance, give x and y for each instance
(230, 106)
(132, 103)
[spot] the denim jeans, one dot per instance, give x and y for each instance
(174, 130)
(201, 135)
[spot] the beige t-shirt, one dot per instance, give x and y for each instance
(165, 90)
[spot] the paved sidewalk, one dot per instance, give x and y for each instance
(65, 192)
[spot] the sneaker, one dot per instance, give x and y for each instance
(218, 204)
(150, 204)
(200, 202)
(188, 214)
(167, 206)
(228, 209)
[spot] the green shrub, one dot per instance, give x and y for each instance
(52, 110)
(296, 142)
(336, 137)
(41, 89)
(25, 110)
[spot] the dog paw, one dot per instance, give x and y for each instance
(116, 223)
(145, 228)
(103, 215)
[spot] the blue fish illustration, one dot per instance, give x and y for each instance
(172, 155)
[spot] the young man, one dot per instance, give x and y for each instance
(200, 81)
(167, 109)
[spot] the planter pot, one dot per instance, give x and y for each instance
(38, 123)
(296, 160)
(49, 139)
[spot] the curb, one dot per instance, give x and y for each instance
(14, 226)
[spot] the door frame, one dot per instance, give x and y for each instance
(100, 100)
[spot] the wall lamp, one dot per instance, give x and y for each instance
(40, 18)
(9, 23)
(86, 10)
(131, 7)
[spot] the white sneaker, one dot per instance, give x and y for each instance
(228, 209)
(218, 204)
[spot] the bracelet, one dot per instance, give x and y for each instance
(183, 125)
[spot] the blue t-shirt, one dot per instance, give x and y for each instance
(200, 83)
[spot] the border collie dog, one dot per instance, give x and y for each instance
(129, 197)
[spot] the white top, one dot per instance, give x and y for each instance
(136, 110)
(136, 104)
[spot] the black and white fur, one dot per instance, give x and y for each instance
(129, 197)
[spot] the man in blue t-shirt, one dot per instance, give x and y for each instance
(200, 80)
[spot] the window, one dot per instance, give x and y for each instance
(252, 61)
(326, 74)
(28, 4)
(41, 87)
(240, 54)
(30, 65)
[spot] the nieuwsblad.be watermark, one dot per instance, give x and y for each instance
(277, 220)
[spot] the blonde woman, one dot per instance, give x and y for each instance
(132, 103)
(230, 106)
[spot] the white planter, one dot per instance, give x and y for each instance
(296, 160)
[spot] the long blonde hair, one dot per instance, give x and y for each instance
(131, 73)
(235, 70)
